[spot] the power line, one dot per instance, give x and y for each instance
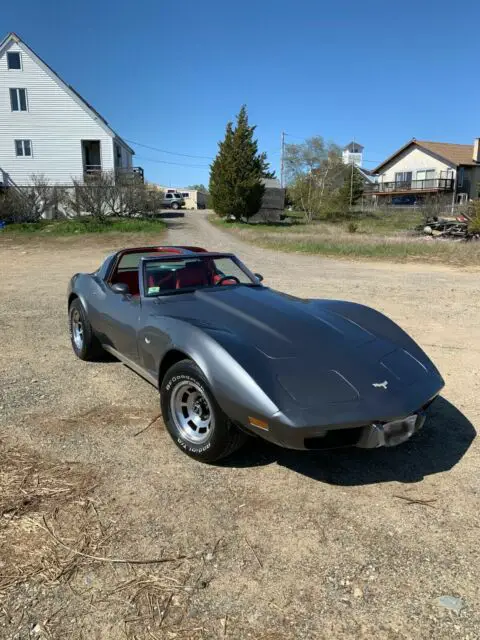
(173, 153)
(178, 164)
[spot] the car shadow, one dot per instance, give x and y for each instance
(438, 447)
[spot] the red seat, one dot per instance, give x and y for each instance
(193, 275)
(164, 281)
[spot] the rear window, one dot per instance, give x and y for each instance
(130, 261)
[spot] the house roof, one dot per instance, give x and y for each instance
(353, 146)
(456, 154)
(271, 183)
(366, 173)
(12, 37)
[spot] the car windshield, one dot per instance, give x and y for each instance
(184, 273)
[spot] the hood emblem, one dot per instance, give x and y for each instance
(380, 385)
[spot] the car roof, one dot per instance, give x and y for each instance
(190, 254)
(162, 249)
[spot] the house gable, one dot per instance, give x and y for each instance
(8, 44)
(54, 126)
(413, 158)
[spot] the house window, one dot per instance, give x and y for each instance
(185, 194)
(427, 177)
(460, 177)
(23, 148)
(18, 99)
(13, 60)
(403, 177)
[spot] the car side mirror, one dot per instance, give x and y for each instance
(121, 287)
(258, 276)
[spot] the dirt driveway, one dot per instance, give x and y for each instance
(273, 544)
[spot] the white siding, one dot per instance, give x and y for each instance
(414, 159)
(54, 122)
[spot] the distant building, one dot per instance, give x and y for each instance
(273, 202)
(194, 199)
(422, 168)
(353, 154)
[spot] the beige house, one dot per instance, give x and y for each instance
(422, 168)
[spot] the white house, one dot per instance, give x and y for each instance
(46, 127)
(421, 168)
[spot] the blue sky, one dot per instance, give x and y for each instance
(171, 73)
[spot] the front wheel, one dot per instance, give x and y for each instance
(175, 206)
(193, 417)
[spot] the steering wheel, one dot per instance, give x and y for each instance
(223, 278)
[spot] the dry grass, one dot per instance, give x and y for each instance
(30, 490)
(53, 543)
(375, 239)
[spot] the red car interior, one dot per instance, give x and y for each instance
(193, 275)
(130, 278)
(201, 273)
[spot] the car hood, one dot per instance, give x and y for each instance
(342, 348)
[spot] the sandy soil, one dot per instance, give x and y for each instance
(278, 544)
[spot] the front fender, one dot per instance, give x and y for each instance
(217, 353)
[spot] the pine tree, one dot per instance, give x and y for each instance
(236, 174)
(352, 189)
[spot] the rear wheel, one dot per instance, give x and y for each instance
(193, 417)
(175, 205)
(84, 343)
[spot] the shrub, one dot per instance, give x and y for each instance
(474, 217)
(352, 227)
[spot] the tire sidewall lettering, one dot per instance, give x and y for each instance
(175, 379)
(183, 444)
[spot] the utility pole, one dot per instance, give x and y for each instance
(282, 162)
(351, 176)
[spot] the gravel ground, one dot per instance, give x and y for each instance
(350, 544)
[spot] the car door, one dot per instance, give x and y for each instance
(121, 318)
(158, 318)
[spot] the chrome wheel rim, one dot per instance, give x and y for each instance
(77, 329)
(191, 412)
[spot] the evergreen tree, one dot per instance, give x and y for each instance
(352, 189)
(236, 174)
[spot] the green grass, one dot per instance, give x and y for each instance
(79, 226)
(389, 238)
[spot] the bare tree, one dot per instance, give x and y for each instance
(105, 194)
(314, 169)
(44, 198)
(93, 196)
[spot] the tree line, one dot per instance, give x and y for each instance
(318, 182)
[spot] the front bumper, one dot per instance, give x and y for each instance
(390, 434)
(370, 436)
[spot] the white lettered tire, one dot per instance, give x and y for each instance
(193, 417)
